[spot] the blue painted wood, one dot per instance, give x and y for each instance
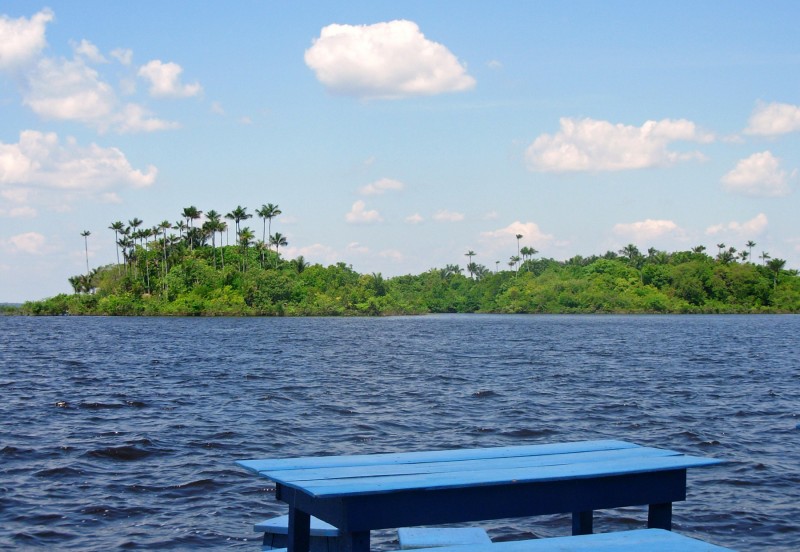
(469, 504)
(280, 526)
(583, 523)
(331, 473)
(650, 540)
(351, 486)
(259, 465)
(429, 537)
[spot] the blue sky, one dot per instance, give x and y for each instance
(397, 136)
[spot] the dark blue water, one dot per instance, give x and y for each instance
(121, 433)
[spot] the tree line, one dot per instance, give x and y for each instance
(191, 268)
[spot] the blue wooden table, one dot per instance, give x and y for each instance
(378, 491)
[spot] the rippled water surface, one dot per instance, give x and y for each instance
(123, 432)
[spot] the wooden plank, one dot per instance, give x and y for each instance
(280, 526)
(298, 475)
(387, 484)
(652, 540)
(429, 537)
(269, 464)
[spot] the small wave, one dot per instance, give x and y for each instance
(63, 471)
(10, 450)
(199, 484)
(529, 433)
(100, 406)
(125, 452)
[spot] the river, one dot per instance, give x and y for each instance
(122, 433)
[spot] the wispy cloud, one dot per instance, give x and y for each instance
(382, 186)
(748, 229)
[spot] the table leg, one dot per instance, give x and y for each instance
(299, 531)
(659, 516)
(356, 541)
(582, 523)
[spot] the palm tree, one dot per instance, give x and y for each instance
(222, 226)
(470, 254)
(135, 223)
(278, 240)
(245, 237)
(212, 226)
(720, 247)
(117, 228)
(164, 226)
(237, 215)
(515, 261)
(519, 237)
(191, 214)
(261, 247)
(267, 213)
(776, 265)
(750, 245)
(86, 235)
(300, 264)
(765, 257)
(630, 251)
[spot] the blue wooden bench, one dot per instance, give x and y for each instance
(649, 540)
(361, 493)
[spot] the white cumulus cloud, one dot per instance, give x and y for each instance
(41, 161)
(69, 90)
(165, 79)
(758, 175)
(530, 231)
(382, 186)
(21, 40)
(592, 145)
(645, 230)
(747, 229)
(386, 60)
(360, 214)
(416, 218)
(773, 119)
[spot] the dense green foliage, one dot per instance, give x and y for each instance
(194, 278)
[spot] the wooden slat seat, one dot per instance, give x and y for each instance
(323, 535)
(429, 537)
(648, 540)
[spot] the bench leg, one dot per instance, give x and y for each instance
(299, 531)
(659, 516)
(357, 541)
(582, 523)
